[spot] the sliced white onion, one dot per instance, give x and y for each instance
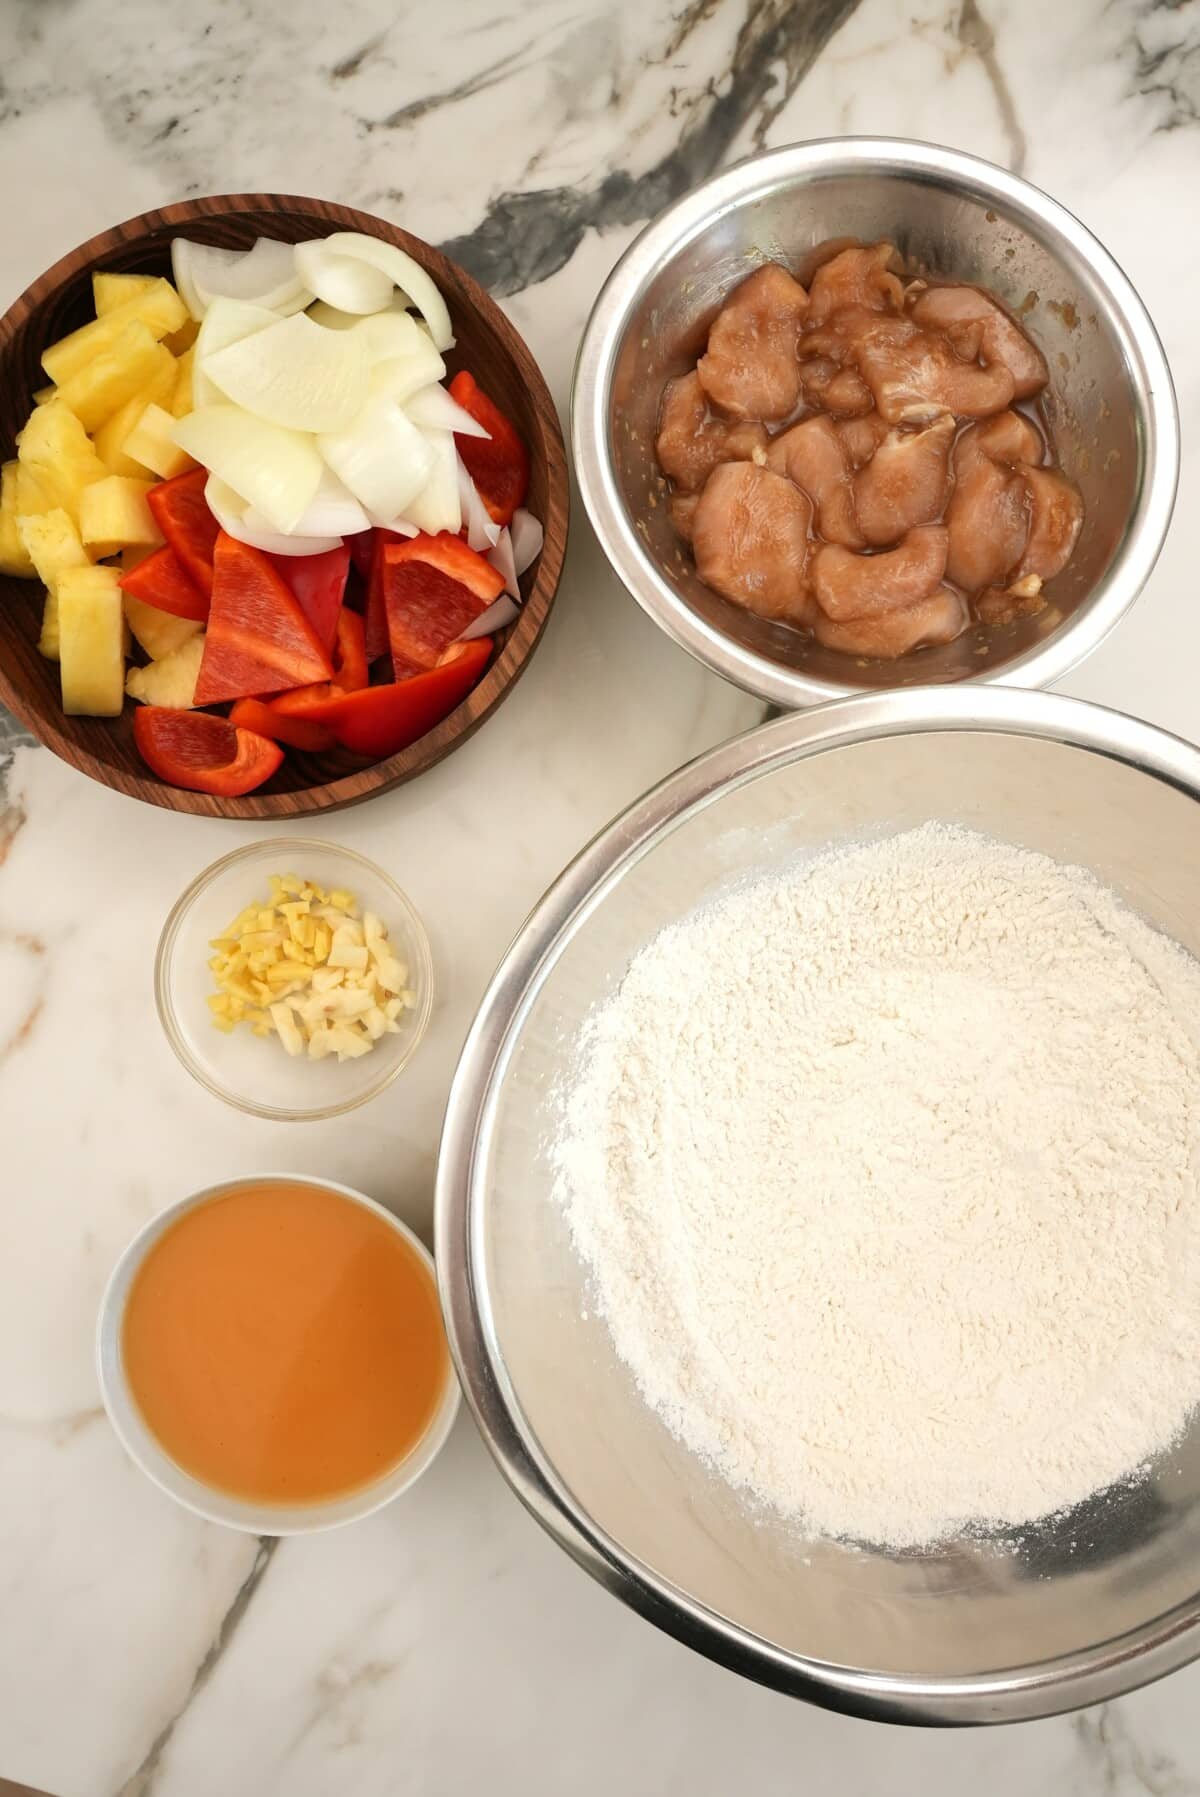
(296, 374)
(277, 471)
(392, 333)
(402, 376)
(382, 458)
(501, 558)
(350, 284)
(231, 513)
(433, 409)
(498, 615)
(334, 512)
(264, 275)
(436, 507)
(226, 321)
(181, 269)
(527, 538)
(403, 272)
(482, 531)
(330, 319)
(401, 526)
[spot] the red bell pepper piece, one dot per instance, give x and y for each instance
(497, 463)
(181, 513)
(376, 611)
(350, 668)
(161, 580)
(258, 641)
(201, 752)
(381, 720)
(297, 732)
(318, 582)
(433, 588)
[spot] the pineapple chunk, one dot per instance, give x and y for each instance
(55, 449)
(183, 398)
(160, 633)
(110, 438)
(42, 394)
(111, 291)
(53, 545)
(180, 341)
(14, 557)
(113, 514)
(116, 375)
(91, 627)
(152, 443)
(171, 681)
(32, 497)
(159, 308)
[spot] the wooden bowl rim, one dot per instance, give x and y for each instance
(501, 676)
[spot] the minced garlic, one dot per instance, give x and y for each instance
(305, 968)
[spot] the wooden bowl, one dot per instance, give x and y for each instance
(486, 343)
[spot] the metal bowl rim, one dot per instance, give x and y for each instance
(1163, 1643)
(1152, 391)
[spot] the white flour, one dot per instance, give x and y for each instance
(886, 1172)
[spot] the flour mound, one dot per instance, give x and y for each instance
(885, 1170)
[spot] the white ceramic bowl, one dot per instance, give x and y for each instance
(144, 1448)
(255, 1073)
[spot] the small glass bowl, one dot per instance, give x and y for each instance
(255, 1073)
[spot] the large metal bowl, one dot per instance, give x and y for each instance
(1076, 1611)
(1111, 402)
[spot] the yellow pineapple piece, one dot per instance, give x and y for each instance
(116, 375)
(14, 557)
(180, 341)
(159, 632)
(56, 450)
(43, 394)
(183, 399)
(91, 628)
(159, 308)
(32, 496)
(53, 545)
(110, 438)
(171, 681)
(113, 514)
(152, 443)
(111, 291)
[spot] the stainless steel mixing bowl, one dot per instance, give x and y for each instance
(1111, 402)
(1075, 1611)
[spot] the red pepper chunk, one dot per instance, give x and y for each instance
(318, 583)
(297, 732)
(433, 588)
(258, 640)
(162, 580)
(497, 463)
(376, 609)
(350, 669)
(382, 720)
(181, 513)
(203, 753)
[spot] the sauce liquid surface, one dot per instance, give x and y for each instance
(284, 1344)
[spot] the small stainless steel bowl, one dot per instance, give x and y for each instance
(1069, 1611)
(1111, 403)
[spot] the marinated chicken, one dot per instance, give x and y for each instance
(751, 368)
(751, 539)
(846, 458)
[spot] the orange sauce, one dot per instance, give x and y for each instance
(284, 1344)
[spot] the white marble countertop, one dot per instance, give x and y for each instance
(445, 1645)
